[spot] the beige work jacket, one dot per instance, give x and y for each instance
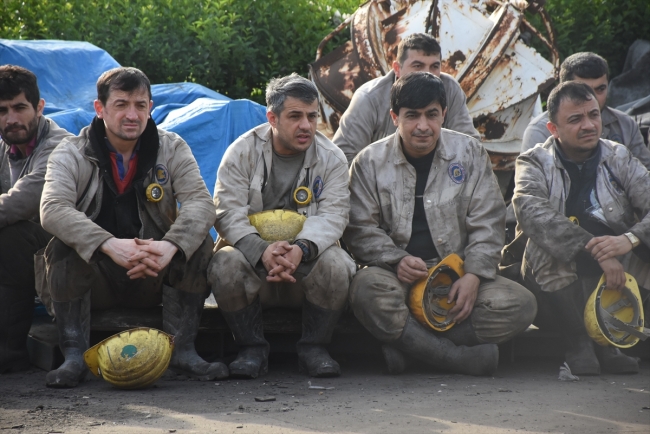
(367, 118)
(464, 207)
(21, 200)
(542, 187)
(73, 190)
(244, 172)
(617, 127)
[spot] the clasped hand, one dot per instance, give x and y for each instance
(605, 249)
(281, 260)
(141, 258)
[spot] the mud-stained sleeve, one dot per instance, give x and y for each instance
(535, 133)
(636, 145)
(231, 193)
(637, 188)
(59, 215)
(325, 227)
(485, 222)
(458, 117)
(196, 215)
(357, 125)
(544, 225)
(252, 247)
(364, 238)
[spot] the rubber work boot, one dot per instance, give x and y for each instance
(438, 352)
(613, 361)
(16, 312)
(181, 317)
(317, 328)
(73, 325)
(395, 360)
(247, 328)
(580, 355)
(461, 334)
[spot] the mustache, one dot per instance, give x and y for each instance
(587, 133)
(11, 129)
(422, 134)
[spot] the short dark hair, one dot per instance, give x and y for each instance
(125, 79)
(418, 42)
(292, 85)
(583, 65)
(576, 92)
(15, 80)
(417, 90)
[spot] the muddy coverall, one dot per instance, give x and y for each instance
(617, 127)
(21, 236)
(465, 214)
(76, 196)
(243, 174)
(367, 118)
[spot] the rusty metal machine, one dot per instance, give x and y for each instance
(483, 47)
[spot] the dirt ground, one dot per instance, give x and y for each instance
(523, 397)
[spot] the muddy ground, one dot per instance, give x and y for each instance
(523, 397)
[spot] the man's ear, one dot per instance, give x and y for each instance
(39, 107)
(394, 117)
(99, 108)
(396, 68)
(272, 118)
(552, 128)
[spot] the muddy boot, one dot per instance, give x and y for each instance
(580, 355)
(438, 352)
(73, 325)
(461, 334)
(317, 328)
(395, 360)
(181, 317)
(248, 330)
(614, 361)
(16, 312)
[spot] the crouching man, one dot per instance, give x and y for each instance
(111, 201)
(27, 139)
(583, 203)
(284, 164)
(418, 196)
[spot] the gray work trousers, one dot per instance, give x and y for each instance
(502, 309)
(324, 282)
(69, 277)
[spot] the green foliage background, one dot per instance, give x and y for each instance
(236, 46)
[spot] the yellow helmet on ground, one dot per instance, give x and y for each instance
(616, 317)
(132, 359)
(277, 224)
(428, 297)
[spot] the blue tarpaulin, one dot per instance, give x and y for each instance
(67, 75)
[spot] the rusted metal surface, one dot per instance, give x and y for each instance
(481, 48)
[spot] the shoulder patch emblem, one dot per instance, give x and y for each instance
(616, 138)
(317, 187)
(457, 173)
(161, 174)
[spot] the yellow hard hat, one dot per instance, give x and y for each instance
(132, 359)
(277, 224)
(428, 297)
(616, 317)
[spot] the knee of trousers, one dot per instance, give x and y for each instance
(68, 276)
(327, 284)
(503, 310)
(378, 300)
(228, 274)
(191, 276)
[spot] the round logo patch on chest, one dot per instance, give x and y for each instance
(161, 173)
(457, 173)
(318, 187)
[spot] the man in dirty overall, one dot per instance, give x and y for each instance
(27, 139)
(367, 118)
(592, 70)
(583, 203)
(418, 196)
(261, 171)
(111, 201)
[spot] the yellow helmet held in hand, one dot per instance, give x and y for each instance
(277, 224)
(616, 317)
(132, 359)
(429, 295)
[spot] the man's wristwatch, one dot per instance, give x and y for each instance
(633, 239)
(305, 250)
